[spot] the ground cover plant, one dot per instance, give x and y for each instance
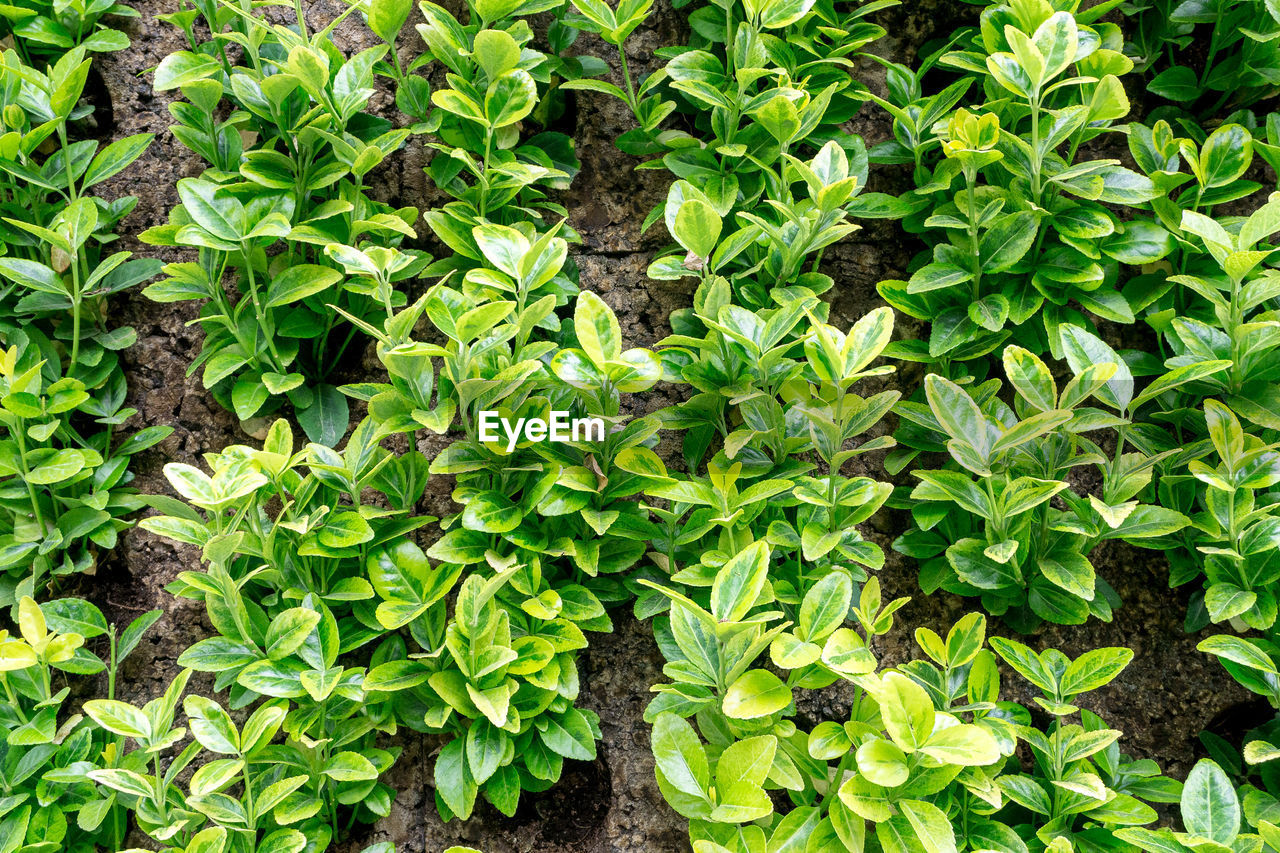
(896, 464)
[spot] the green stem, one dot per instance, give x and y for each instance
(1035, 150)
(971, 179)
(626, 79)
(13, 700)
(484, 172)
(264, 321)
(20, 435)
(75, 319)
(1213, 48)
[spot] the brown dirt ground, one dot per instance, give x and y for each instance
(1168, 695)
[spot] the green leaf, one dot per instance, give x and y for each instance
(825, 606)
(740, 775)
(930, 825)
(938, 276)
(597, 329)
(906, 710)
(1083, 349)
(883, 763)
(740, 582)
(1094, 669)
(1008, 241)
(492, 512)
(137, 629)
(783, 13)
(1057, 40)
(570, 735)
(990, 312)
(756, 693)
(681, 765)
(221, 215)
(1031, 378)
(497, 53)
(958, 414)
(183, 67)
(1177, 83)
(964, 744)
(1027, 663)
(486, 744)
(780, 118)
(350, 767)
(697, 227)
(212, 726)
(33, 275)
(510, 98)
(326, 419)
(61, 466)
(116, 157)
(404, 578)
(1069, 571)
(118, 718)
(1210, 808)
(300, 281)
(74, 616)
(124, 781)
(248, 396)
(1141, 242)
(1225, 156)
(1239, 650)
(289, 631)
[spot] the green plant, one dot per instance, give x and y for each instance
(48, 804)
(1235, 307)
(63, 485)
(291, 789)
(1026, 558)
(1192, 175)
(287, 537)
(303, 513)
(763, 87)
(301, 189)
(1239, 67)
(333, 628)
(64, 495)
(500, 679)
(55, 232)
(926, 756)
(1231, 540)
(386, 18)
(773, 413)
(646, 103)
(43, 30)
(1022, 228)
(1079, 787)
(1211, 816)
(496, 82)
(545, 527)
(916, 116)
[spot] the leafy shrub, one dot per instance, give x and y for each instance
(288, 219)
(1241, 62)
(43, 31)
(1022, 237)
(1009, 544)
(65, 474)
(927, 756)
(49, 803)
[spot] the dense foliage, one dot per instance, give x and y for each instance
(1057, 233)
